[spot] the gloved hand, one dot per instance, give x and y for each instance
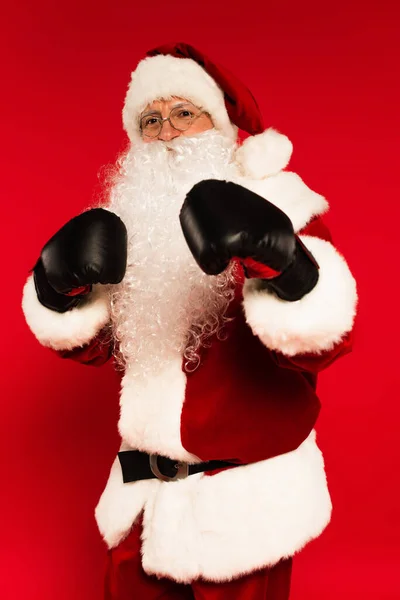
(222, 220)
(91, 248)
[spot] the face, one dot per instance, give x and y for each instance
(181, 107)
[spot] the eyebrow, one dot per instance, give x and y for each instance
(157, 112)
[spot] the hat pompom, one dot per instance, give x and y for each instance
(264, 154)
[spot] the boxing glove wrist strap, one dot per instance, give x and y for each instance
(298, 279)
(51, 299)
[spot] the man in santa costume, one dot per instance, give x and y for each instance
(212, 279)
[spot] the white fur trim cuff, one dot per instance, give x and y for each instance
(162, 76)
(316, 322)
(72, 329)
(264, 154)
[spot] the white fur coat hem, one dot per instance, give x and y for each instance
(223, 526)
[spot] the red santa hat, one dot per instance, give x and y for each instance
(183, 71)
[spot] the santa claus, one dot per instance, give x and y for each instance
(212, 280)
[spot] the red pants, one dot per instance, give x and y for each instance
(126, 580)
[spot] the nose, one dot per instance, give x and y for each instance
(168, 133)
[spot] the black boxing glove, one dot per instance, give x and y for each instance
(222, 220)
(91, 248)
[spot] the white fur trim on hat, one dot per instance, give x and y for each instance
(264, 154)
(72, 329)
(316, 322)
(163, 76)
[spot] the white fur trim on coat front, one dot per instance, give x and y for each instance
(161, 76)
(150, 416)
(121, 503)
(316, 322)
(72, 329)
(264, 154)
(226, 525)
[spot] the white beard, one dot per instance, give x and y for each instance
(166, 305)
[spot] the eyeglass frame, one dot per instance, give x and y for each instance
(161, 120)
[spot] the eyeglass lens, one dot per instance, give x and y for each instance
(180, 117)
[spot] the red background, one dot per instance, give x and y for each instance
(324, 73)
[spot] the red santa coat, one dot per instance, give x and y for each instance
(251, 400)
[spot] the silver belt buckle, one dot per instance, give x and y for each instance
(181, 473)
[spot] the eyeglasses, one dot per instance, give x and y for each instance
(180, 118)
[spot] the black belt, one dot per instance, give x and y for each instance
(138, 465)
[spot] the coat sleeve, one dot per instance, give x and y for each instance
(311, 333)
(95, 353)
(80, 333)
